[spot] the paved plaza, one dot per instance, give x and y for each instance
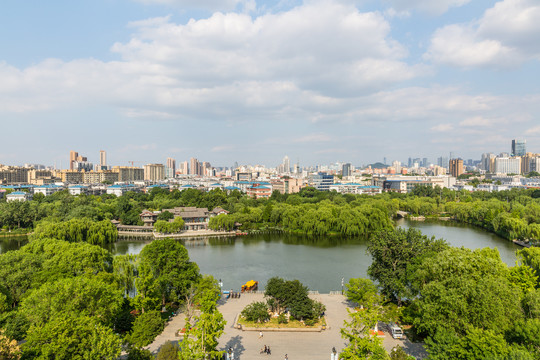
(297, 345)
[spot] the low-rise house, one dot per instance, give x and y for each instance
(78, 189)
(48, 189)
(18, 196)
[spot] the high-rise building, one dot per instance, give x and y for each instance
(397, 165)
(195, 167)
(519, 147)
(170, 170)
(286, 164)
(508, 165)
(72, 158)
(442, 162)
(346, 170)
(154, 172)
(455, 167)
(129, 173)
(102, 158)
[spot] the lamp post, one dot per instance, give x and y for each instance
(342, 283)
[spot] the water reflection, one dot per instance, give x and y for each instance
(9, 243)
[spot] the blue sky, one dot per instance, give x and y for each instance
(251, 81)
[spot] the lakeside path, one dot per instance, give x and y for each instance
(297, 345)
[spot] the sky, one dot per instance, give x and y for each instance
(251, 81)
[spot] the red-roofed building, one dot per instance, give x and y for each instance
(257, 191)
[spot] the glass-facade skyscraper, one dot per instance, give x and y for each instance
(519, 147)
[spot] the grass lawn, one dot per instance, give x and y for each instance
(273, 323)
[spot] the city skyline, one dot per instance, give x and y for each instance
(252, 81)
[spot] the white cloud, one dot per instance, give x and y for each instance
(533, 131)
(506, 35)
(434, 7)
(442, 128)
(315, 55)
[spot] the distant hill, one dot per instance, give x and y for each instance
(378, 165)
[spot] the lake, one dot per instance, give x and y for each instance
(319, 263)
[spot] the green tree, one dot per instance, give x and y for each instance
(165, 271)
(145, 328)
(202, 338)
(257, 311)
(477, 344)
(394, 254)
(168, 351)
(361, 342)
(67, 337)
(460, 288)
(82, 296)
(361, 291)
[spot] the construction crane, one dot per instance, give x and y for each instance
(135, 162)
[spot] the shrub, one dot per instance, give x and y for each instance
(282, 319)
(168, 351)
(257, 311)
(145, 328)
(135, 353)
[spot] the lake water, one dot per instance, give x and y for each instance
(318, 263)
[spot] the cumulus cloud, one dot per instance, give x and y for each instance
(317, 53)
(506, 35)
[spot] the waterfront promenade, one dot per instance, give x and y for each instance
(297, 345)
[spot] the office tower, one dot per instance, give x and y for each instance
(397, 165)
(102, 158)
(518, 147)
(154, 172)
(409, 163)
(424, 162)
(442, 162)
(170, 169)
(72, 158)
(456, 167)
(384, 160)
(286, 164)
(346, 170)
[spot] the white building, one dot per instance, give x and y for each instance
(18, 196)
(508, 165)
(48, 189)
(78, 189)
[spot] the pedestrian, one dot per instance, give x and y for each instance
(268, 352)
(260, 334)
(286, 357)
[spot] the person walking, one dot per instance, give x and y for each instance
(286, 357)
(260, 334)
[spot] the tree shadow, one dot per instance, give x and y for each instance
(236, 344)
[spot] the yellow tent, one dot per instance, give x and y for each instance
(250, 283)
